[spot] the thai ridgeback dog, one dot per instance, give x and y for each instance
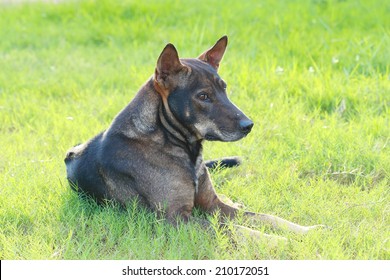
(152, 151)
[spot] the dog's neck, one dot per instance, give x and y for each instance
(147, 113)
(176, 131)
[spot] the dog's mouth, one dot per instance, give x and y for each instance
(225, 137)
(212, 132)
(210, 137)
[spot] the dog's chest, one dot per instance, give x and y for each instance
(199, 170)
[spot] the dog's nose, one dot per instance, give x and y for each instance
(246, 125)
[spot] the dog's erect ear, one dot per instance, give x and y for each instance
(168, 64)
(214, 55)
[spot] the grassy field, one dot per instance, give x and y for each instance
(314, 76)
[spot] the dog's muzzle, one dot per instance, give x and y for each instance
(246, 126)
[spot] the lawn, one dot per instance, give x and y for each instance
(314, 76)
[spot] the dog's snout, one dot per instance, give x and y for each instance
(246, 125)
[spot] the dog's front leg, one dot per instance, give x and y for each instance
(176, 213)
(274, 221)
(208, 200)
(279, 223)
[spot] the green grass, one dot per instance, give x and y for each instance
(66, 69)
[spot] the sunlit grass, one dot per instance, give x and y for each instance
(313, 76)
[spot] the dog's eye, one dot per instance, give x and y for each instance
(203, 96)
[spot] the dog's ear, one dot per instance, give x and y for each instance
(168, 64)
(214, 55)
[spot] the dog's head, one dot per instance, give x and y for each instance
(194, 93)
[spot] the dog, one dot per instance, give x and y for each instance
(152, 151)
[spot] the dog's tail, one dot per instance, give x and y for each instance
(225, 162)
